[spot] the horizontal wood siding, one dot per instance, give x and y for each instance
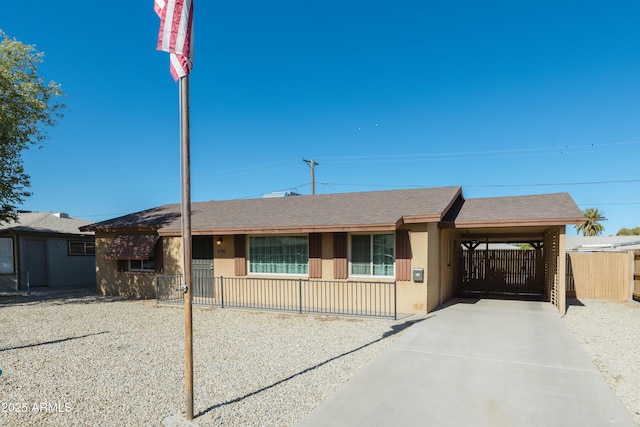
(599, 275)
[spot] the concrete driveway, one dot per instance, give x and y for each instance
(479, 363)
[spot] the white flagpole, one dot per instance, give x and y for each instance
(185, 175)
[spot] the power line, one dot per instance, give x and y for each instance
(552, 148)
(627, 181)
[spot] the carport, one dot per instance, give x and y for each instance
(511, 247)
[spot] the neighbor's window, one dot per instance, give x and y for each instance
(142, 264)
(81, 248)
(6, 255)
(372, 255)
(279, 254)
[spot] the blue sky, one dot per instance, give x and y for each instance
(501, 98)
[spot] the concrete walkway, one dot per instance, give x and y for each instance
(478, 363)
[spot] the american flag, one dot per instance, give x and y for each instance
(176, 22)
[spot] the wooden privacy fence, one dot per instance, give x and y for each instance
(502, 271)
(600, 275)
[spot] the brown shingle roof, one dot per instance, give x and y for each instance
(331, 212)
(540, 209)
(371, 211)
(383, 210)
(148, 220)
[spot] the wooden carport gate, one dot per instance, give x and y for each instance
(515, 271)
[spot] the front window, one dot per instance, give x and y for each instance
(6, 255)
(81, 248)
(142, 264)
(279, 254)
(372, 255)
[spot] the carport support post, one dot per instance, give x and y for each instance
(562, 264)
(185, 175)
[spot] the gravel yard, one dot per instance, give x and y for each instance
(99, 361)
(87, 360)
(610, 334)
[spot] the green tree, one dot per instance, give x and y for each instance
(524, 246)
(629, 232)
(28, 106)
(591, 225)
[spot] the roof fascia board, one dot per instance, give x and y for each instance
(516, 223)
(500, 237)
(451, 203)
(418, 219)
(121, 229)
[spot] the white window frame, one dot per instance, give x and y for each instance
(256, 273)
(373, 276)
(145, 268)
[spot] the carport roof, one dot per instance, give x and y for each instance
(514, 211)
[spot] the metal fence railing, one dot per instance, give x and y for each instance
(15, 282)
(377, 299)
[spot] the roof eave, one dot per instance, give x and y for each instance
(120, 229)
(513, 223)
(417, 219)
(282, 230)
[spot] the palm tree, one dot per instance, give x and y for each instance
(591, 225)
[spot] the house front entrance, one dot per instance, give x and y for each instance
(202, 267)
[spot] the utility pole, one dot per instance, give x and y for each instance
(312, 163)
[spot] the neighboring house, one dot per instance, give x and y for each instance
(409, 237)
(49, 249)
(603, 243)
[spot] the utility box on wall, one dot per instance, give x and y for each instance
(418, 274)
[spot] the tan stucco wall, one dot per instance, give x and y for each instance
(411, 295)
(223, 263)
(111, 282)
(433, 269)
(449, 247)
(327, 256)
(172, 252)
